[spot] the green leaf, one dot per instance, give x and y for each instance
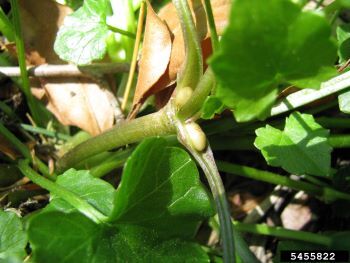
(211, 106)
(268, 44)
(82, 37)
(13, 239)
(161, 190)
(74, 238)
(300, 148)
(95, 191)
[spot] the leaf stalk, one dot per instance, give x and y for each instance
(79, 203)
(156, 124)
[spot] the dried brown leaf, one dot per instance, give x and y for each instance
(155, 55)
(40, 20)
(164, 78)
(82, 103)
(168, 13)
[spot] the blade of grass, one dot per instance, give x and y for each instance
(37, 112)
(280, 232)
(121, 31)
(23, 149)
(39, 130)
(327, 193)
(79, 203)
(192, 69)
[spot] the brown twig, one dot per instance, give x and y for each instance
(67, 70)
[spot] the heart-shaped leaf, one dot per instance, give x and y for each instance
(74, 238)
(300, 148)
(161, 187)
(267, 44)
(82, 38)
(95, 191)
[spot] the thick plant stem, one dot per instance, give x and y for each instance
(199, 95)
(192, 69)
(156, 124)
(206, 161)
(281, 232)
(79, 203)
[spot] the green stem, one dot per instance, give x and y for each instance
(156, 124)
(122, 32)
(23, 149)
(192, 69)
(243, 251)
(335, 123)
(314, 180)
(227, 124)
(33, 105)
(39, 130)
(115, 161)
(206, 161)
(195, 102)
(262, 229)
(211, 21)
(265, 176)
(339, 141)
(79, 203)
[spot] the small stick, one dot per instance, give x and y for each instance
(67, 70)
(134, 54)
